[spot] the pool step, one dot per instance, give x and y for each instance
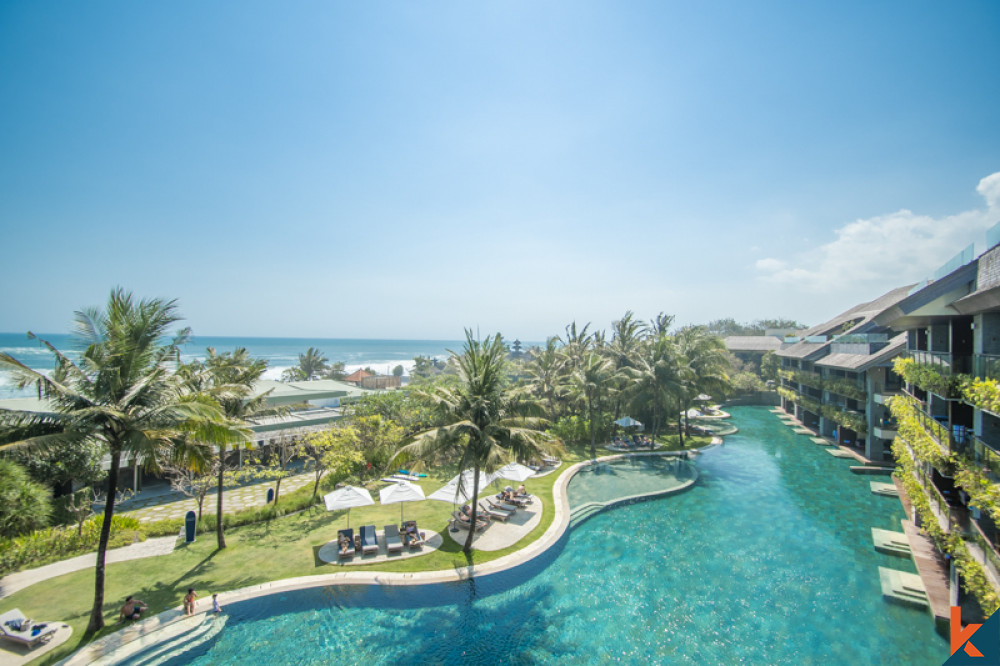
(903, 588)
(173, 640)
(891, 543)
(804, 431)
(872, 469)
(884, 489)
(838, 453)
(584, 511)
(821, 441)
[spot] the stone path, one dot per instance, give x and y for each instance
(176, 505)
(148, 548)
(500, 535)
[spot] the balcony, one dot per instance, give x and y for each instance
(884, 432)
(986, 366)
(942, 361)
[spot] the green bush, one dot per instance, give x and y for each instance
(25, 505)
(571, 429)
(58, 543)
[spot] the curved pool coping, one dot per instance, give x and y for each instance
(143, 634)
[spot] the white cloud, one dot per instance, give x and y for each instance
(989, 188)
(879, 253)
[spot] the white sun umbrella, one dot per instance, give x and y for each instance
(404, 491)
(703, 398)
(627, 422)
(346, 498)
(515, 472)
(451, 492)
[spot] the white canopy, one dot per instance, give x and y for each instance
(452, 493)
(404, 491)
(515, 472)
(347, 498)
(627, 422)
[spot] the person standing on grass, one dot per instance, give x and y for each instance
(189, 601)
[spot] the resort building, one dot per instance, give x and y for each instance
(835, 377)
(948, 445)
(752, 348)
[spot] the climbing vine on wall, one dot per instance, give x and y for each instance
(910, 428)
(974, 579)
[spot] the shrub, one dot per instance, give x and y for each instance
(56, 543)
(571, 429)
(25, 505)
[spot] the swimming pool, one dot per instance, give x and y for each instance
(768, 559)
(635, 475)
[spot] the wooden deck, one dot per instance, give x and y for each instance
(934, 573)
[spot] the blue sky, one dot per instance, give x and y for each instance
(339, 169)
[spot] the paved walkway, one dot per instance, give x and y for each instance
(330, 552)
(148, 548)
(500, 535)
(175, 505)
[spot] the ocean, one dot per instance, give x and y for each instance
(280, 353)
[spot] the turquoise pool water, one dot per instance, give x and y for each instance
(766, 560)
(638, 475)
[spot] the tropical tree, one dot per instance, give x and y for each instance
(545, 376)
(312, 364)
(229, 378)
(25, 504)
(120, 393)
(627, 336)
(488, 425)
(334, 454)
(703, 362)
(655, 379)
(592, 382)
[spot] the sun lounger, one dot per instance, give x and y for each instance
(464, 523)
(551, 462)
(393, 542)
(412, 534)
(369, 541)
(349, 533)
(497, 514)
(503, 506)
(32, 634)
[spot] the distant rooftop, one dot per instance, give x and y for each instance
(752, 343)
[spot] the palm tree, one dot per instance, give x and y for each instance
(627, 335)
(545, 372)
(230, 378)
(703, 361)
(488, 426)
(313, 363)
(122, 395)
(592, 381)
(655, 378)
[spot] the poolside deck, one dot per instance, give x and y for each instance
(934, 574)
(500, 535)
(330, 553)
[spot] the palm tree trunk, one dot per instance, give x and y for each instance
(593, 431)
(220, 538)
(680, 420)
(97, 612)
(475, 512)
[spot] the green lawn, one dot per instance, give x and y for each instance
(279, 549)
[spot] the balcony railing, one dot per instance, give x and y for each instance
(942, 361)
(884, 433)
(986, 366)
